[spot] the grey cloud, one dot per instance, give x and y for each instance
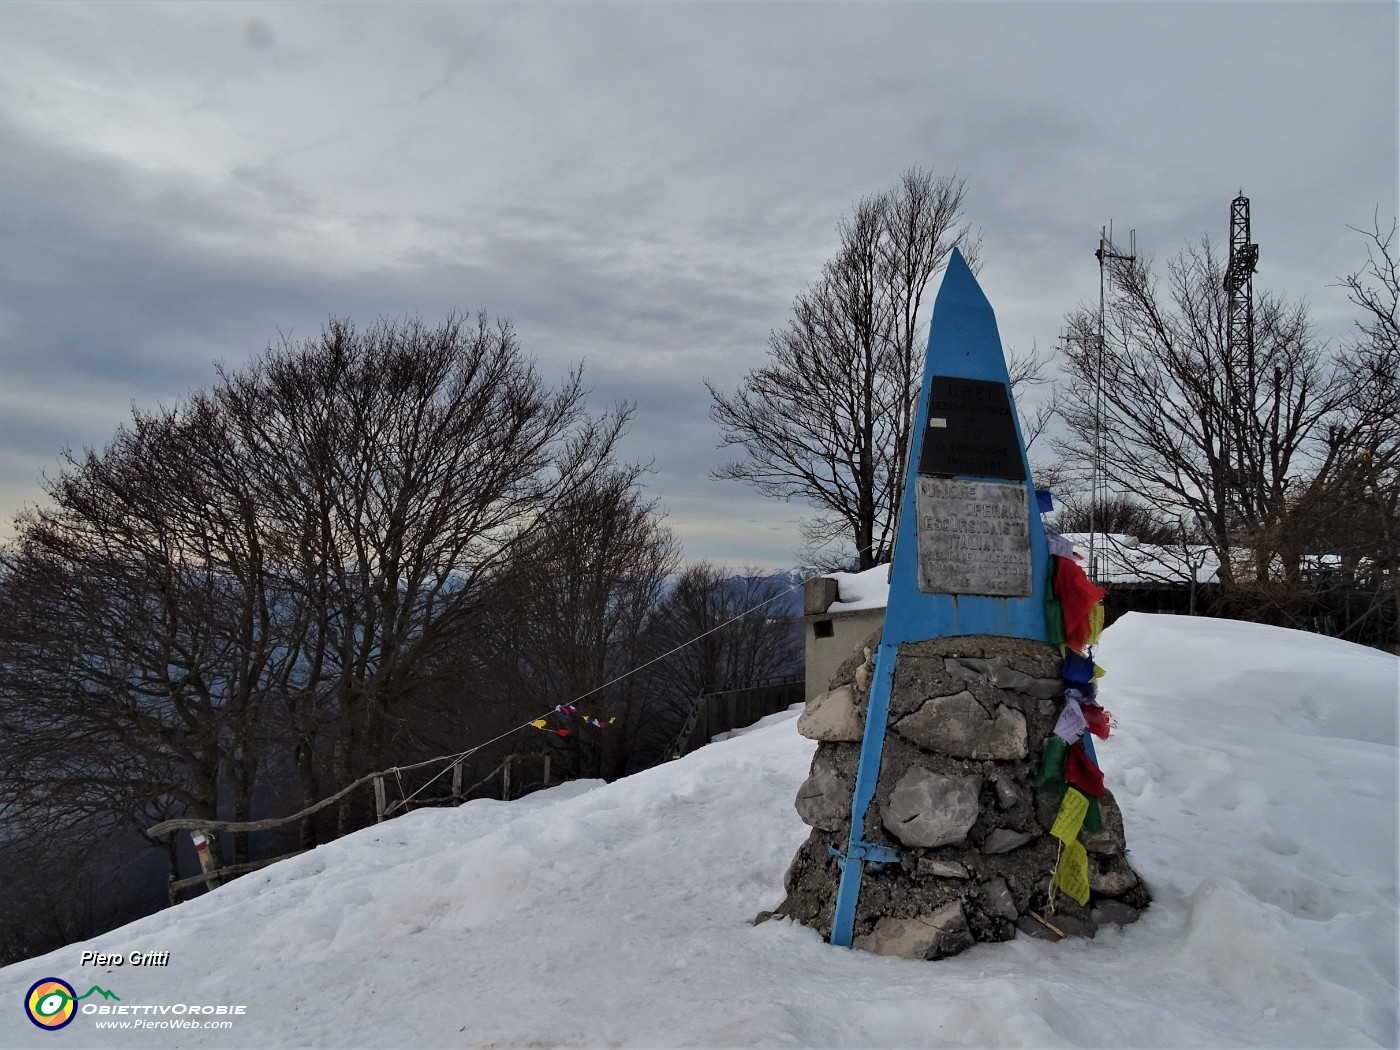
(641, 187)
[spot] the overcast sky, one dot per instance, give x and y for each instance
(642, 187)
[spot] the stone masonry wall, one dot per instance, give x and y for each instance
(956, 797)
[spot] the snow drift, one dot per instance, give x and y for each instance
(1256, 767)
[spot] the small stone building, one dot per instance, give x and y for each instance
(830, 636)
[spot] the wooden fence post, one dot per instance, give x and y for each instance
(378, 799)
(547, 758)
(505, 778)
(208, 863)
(457, 782)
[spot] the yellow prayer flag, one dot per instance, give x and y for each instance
(538, 723)
(1095, 623)
(1071, 817)
(1072, 873)
(1099, 672)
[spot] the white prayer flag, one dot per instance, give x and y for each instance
(1072, 724)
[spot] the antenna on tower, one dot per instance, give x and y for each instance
(1239, 332)
(1108, 255)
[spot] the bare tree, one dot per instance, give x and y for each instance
(569, 624)
(1031, 373)
(827, 420)
(1122, 515)
(137, 653)
(1203, 431)
(716, 628)
(723, 629)
(1351, 508)
(279, 566)
(284, 556)
(398, 469)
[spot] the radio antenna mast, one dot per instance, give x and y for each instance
(1107, 254)
(1239, 341)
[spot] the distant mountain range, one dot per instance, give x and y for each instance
(791, 603)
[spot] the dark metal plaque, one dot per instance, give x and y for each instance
(970, 431)
(974, 537)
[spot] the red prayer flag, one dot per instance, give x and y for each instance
(1098, 719)
(1077, 594)
(1081, 772)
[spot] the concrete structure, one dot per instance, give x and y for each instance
(829, 638)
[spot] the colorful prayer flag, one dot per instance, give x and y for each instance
(1096, 623)
(1082, 772)
(1058, 546)
(1072, 723)
(1052, 763)
(1077, 668)
(1071, 816)
(1072, 873)
(1098, 721)
(1078, 595)
(1093, 820)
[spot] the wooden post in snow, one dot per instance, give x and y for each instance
(378, 799)
(204, 850)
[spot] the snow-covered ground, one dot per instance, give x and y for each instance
(1257, 773)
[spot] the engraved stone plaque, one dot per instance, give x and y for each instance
(970, 431)
(973, 537)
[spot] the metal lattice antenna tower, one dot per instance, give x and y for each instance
(1239, 279)
(1107, 255)
(1239, 334)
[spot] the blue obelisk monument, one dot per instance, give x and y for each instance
(933, 828)
(968, 470)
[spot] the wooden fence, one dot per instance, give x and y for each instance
(518, 775)
(728, 709)
(713, 713)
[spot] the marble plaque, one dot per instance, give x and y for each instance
(974, 537)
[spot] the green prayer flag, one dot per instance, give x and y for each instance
(1093, 820)
(1052, 763)
(1054, 612)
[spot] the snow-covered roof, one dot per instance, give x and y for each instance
(1123, 559)
(861, 590)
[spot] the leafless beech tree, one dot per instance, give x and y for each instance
(741, 625)
(276, 577)
(827, 420)
(281, 559)
(399, 468)
(1351, 507)
(1116, 514)
(137, 651)
(1202, 432)
(569, 622)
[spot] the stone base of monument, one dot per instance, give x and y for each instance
(956, 798)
